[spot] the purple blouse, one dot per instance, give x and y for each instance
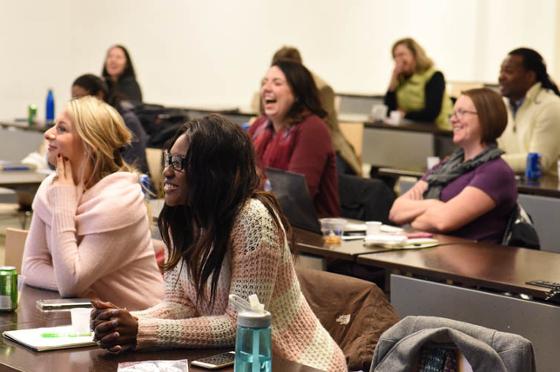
(496, 179)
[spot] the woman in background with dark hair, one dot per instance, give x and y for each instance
(135, 153)
(292, 135)
(119, 74)
(224, 237)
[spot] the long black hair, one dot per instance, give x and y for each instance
(221, 176)
(128, 67)
(303, 88)
(533, 61)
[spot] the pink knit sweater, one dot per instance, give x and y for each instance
(95, 244)
(260, 263)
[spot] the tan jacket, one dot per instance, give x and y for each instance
(535, 128)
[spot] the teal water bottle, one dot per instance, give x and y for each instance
(253, 341)
(49, 108)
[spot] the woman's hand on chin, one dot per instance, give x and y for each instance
(63, 171)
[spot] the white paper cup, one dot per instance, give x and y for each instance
(80, 319)
(378, 112)
(395, 117)
(373, 227)
(432, 161)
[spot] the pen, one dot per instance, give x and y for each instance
(71, 334)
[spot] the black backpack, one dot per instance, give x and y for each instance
(520, 231)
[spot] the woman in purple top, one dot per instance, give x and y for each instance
(473, 192)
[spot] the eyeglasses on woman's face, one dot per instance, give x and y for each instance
(460, 113)
(177, 162)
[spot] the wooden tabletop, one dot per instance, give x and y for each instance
(15, 357)
(14, 179)
(545, 186)
(311, 243)
(480, 264)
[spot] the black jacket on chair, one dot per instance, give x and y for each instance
(365, 199)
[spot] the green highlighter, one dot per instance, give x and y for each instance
(59, 335)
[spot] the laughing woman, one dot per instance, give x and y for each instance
(90, 233)
(473, 192)
(291, 135)
(224, 237)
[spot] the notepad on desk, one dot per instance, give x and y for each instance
(398, 242)
(50, 338)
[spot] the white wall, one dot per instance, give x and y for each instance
(189, 52)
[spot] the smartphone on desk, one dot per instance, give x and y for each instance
(216, 361)
(62, 304)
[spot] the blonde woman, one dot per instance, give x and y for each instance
(416, 88)
(90, 232)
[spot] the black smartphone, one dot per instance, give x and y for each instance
(215, 361)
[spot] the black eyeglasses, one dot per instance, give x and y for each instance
(177, 162)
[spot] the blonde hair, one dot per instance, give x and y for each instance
(423, 62)
(103, 133)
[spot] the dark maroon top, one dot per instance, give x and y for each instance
(304, 148)
(496, 179)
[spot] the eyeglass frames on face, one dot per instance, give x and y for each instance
(460, 113)
(177, 162)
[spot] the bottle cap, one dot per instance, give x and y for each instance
(251, 319)
(250, 313)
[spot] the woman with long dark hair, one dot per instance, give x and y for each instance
(224, 237)
(292, 134)
(120, 76)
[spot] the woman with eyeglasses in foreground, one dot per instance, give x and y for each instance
(471, 193)
(90, 233)
(224, 237)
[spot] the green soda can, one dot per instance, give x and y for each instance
(8, 288)
(32, 115)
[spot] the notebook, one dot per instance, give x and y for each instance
(50, 338)
(293, 195)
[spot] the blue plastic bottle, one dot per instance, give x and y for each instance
(49, 108)
(253, 342)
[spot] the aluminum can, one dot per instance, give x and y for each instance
(533, 167)
(8, 288)
(32, 114)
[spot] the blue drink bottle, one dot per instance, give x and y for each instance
(253, 342)
(49, 107)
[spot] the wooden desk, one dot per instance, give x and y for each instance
(477, 264)
(311, 243)
(15, 357)
(19, 179)
(22, 125)
(487, 271)
(546, 186)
